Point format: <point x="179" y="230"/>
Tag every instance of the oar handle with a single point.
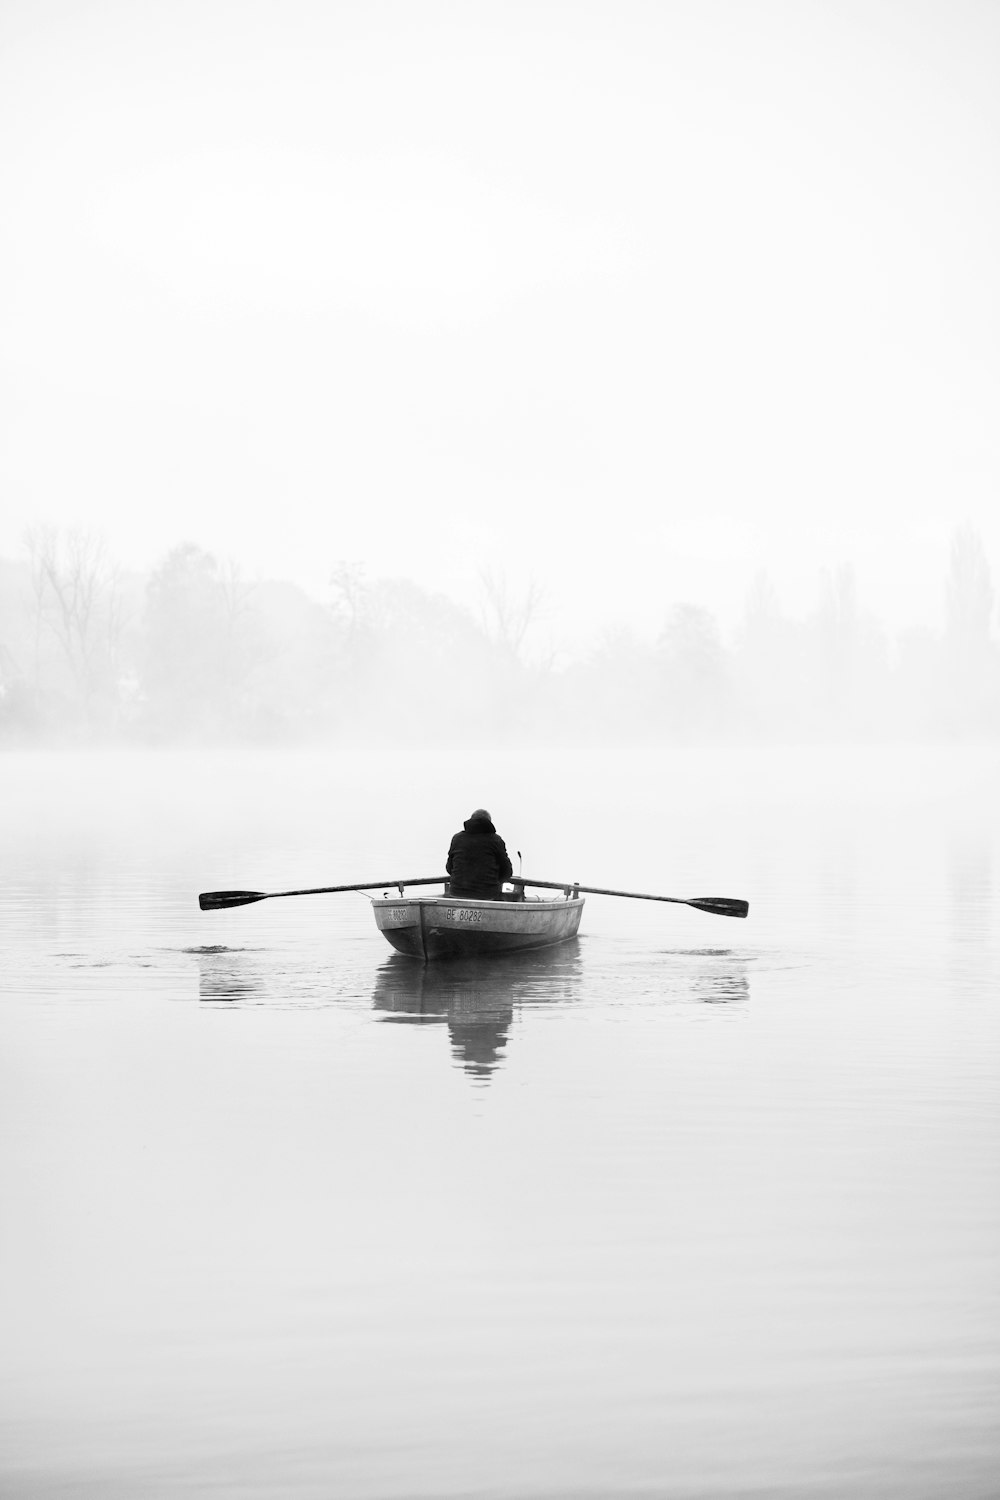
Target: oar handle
<point x="371" y="885"/>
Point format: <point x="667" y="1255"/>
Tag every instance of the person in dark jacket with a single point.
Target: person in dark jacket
<point x="477" y="860"/>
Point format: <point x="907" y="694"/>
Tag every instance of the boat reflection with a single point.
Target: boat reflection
<point x="475" y="997"/>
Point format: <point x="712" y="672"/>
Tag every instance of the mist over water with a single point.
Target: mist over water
<point x="287" y="1214"/>
<point x="587" y="410"/>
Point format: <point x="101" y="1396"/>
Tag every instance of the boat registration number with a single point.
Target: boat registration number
<point x="466" y="914"/>
<point x="397" y="914"/>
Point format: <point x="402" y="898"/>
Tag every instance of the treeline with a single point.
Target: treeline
<point x="196" y="653"/>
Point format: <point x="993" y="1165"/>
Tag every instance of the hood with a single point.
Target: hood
<point x="478" y="825"/>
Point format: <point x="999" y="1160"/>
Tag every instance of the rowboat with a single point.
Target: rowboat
<point x="429" y="927"/>
<point x="449" y="926"/>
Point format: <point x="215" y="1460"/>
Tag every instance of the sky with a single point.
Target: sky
<point x="630" y="300"/>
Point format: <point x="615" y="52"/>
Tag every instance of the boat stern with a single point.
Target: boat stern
<point x="446" y="926"/>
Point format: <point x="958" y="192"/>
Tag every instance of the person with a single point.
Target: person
<point x="477" y="862"/>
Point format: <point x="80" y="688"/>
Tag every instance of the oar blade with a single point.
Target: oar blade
<point x="720" y="906"/>
<point x="216" y="900"/>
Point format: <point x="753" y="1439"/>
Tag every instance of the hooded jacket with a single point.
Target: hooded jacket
<point x="477" y="860"/>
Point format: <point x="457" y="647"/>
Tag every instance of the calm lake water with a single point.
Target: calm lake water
<point x="690" y="1207"/>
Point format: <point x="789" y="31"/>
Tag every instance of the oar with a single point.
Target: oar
<point x="215" y="900"/>
<point x="719" y="906"/>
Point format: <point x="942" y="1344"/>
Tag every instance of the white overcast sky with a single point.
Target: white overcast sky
<point x="635" y="298"/>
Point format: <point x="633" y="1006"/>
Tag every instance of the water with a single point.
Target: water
<point x="687" y="1208"/>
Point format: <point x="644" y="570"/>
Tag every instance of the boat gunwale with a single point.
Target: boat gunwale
<point x="532" y="903"/>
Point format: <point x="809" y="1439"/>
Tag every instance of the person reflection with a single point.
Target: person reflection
<point x="476" y="1003"/>
<point x="476" y="997"/>
<point x="478" y="1024"/>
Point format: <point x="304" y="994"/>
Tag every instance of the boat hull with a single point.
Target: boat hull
<point x="430" y="927"/>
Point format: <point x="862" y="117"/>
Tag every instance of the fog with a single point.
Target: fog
<point x="196" y="652"/>
<point x="676" y="322"/>
<point x="607" y="390"/>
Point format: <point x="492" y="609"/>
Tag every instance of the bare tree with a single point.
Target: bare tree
<point x="351" y="596"/>
<point x="77" y="600"/>
<point x="236" y="591"/>
<point x="508" y="616"/>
